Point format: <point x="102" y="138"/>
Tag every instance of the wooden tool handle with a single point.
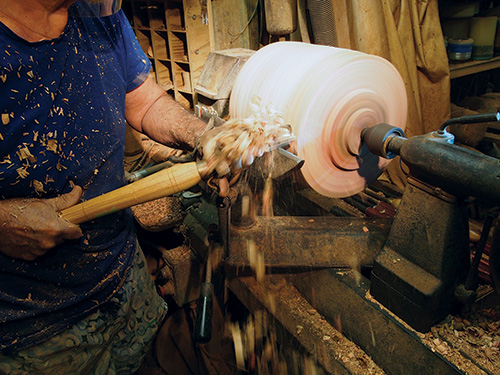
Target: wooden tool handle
<point x="161" y="184"/>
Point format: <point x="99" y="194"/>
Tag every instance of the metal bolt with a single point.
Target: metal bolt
<point x="194" y="16"/>
<point x="197" y="51"/>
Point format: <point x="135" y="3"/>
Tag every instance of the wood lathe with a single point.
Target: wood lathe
<point x="384" y="282"/>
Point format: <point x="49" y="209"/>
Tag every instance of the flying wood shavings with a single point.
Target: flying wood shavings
<point x="267" y="198"/>
<point x="5" y="118"/>
<point x="238" y="345"/>
<point x="256" y="260"/>
<point x="239" y="141"/>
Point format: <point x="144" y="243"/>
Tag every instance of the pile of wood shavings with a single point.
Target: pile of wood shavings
<point x="238" y="142"/>
<point x="476" y="335"/>
<point x="159" y="214"/>
<point x="466" y="349"/>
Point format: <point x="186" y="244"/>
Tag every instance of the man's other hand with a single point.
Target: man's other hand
<point x="31" y="227"/>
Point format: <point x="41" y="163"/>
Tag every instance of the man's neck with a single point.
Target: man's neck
<point x="35" y="20"/>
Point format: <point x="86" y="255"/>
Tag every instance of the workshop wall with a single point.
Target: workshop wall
<point x="407" y="33"/>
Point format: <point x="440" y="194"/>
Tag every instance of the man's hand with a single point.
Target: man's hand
<point x="31" y="227"/>
<point x="233" y="146"/>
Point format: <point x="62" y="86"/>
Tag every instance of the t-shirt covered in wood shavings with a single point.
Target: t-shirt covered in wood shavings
<point x="62" y="119"/>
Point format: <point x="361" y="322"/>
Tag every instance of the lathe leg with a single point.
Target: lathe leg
<point x="425" y="258"/>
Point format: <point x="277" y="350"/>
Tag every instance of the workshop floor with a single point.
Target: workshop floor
<point x="174" y="351"/>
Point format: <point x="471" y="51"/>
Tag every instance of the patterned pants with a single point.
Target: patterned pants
<point x="108" y="342"/>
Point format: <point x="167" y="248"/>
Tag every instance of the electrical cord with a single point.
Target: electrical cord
<point x="471" y="119"/>
<point x="248" y="23"/>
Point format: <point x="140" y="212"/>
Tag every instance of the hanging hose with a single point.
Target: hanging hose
<point x="322" y="22"/>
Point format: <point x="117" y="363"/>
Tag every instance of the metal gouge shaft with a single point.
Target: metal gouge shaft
<point x="202" y="332"/>
<point x="158" y="185"/>
<point x="137" y="175"/>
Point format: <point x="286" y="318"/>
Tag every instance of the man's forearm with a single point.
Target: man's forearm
<point x="167" y="122"/>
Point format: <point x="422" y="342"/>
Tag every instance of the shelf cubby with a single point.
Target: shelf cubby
<point x="175" y="39"/>
<point x="184" y="99"/>
<point x="178" y="46"/>
<point x="164" y="74"/>
<point x="144" y="38"/>
<point x="157" y="19"/>
<point x="159" y="40"/>
<point x="175" y="16"/>
<point x="182" y="77"/>
<point x="140" y="16"/>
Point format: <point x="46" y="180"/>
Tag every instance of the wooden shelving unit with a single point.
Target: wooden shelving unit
<point x="471" y="67"/>
<point x="175" y="39"/>
<point x="458" y="70"/>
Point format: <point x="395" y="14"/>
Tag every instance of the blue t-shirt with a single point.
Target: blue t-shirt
<point x="62" y="104"/>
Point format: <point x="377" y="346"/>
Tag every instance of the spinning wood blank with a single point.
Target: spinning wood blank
<point x="328" y="95"/>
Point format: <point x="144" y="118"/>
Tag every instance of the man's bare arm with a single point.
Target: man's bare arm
<point x="151" y="111"/>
